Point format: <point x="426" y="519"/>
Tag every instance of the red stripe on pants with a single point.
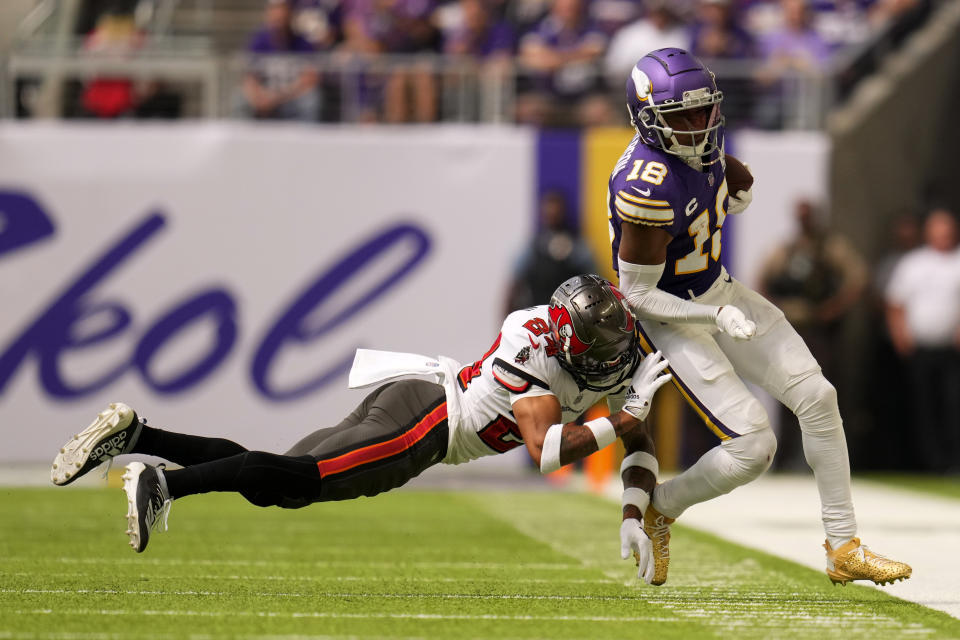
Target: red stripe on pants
<point x="382" y="450"/>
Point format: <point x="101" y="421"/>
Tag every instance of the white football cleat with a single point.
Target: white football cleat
<point x="147" y="501"/>
<point x="113" y="432"/>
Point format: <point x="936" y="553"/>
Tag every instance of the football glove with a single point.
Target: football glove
<point x="732" y="322"/>
<point x="633" y="540"/>
<point x="648" y="377"/>
<point x="739" y="202"/>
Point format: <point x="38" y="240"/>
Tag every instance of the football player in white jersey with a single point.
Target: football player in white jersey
<point x="549" y="364"/>
<point x="667" y="200"/>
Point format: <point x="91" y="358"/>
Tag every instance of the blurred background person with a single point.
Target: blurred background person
<point x="816" y="279"/>
<point x="888" y="445"/>
<point x="399" y="27"/>
<point x="562" y="57"/>
<point x="661" y="26"/>
<point x="114" y="35"/>
<point x="479" y="34"/>
<point x="794" y="50"/>
<point x="278" y="87"/>
<point x="923" y="315"/>
<point x="320" y="22"/>
<point x="716" y="32"/>
<point x="556" y="253"/>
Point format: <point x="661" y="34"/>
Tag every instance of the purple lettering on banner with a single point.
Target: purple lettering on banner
<point x="75" y="321"/>
<point x="215" y="303"/>
<point x="292" y="328"/>
<point x="50" y="334"/>
<point x="22" y="221"/>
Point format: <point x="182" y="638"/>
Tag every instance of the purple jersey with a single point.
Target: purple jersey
<point x="654" y="188"/>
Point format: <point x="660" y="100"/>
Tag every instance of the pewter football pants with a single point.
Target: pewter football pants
<point x="397" y="432"/>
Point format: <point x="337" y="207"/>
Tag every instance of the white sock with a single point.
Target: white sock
<point x="825" y="449"/>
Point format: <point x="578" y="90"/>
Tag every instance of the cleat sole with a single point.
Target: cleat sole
<point x="73" y="461"/>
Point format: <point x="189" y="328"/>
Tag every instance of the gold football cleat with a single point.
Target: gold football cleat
<point x="657" y="527"/>
<point x="854" y="561"/>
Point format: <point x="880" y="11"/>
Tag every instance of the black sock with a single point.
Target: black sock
<point x="265" y="479"/>
<point x="183" y="449"/>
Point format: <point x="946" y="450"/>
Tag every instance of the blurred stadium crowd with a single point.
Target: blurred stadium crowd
<point x="541" y="62"/>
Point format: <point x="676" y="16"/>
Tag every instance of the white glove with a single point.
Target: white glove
<point x="732" y="322"/>
<point x="648" y="377"/>
<point x="739" y="202"/>
<point x="633" y="539"/>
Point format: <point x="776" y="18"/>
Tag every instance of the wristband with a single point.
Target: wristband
<point x="641" y="459"/>
<point x="550" y="453"/>
<point x="637" y="497"/>
<point x="603" y="432"/>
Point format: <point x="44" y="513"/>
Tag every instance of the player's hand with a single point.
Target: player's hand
<point x="648" y="377"/>
<point x="739" y="202"/>
<point x="633" y="540"/>
<point x="732" y="322"/>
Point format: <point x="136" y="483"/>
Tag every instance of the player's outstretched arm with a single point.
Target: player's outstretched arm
<point x="642" y="260"/>
<point x="552" y="444"/>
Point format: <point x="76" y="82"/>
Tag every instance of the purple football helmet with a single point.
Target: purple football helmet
<point x="666" y="85"/>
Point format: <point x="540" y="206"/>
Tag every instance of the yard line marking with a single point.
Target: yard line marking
<point x="546" y="566"/>
<point x="360" y="616"/>
<point x="341" y="578"/>
<point x="327" y="594"/>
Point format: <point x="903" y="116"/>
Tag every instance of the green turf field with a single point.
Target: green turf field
<point x="409" y="564"/>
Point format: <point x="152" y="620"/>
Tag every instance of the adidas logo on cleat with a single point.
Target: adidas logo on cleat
<point x="111" y="447"/>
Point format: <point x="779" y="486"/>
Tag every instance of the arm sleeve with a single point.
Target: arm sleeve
<point x="638" y="284"/>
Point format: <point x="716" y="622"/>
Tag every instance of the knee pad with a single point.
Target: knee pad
<point x="753" y="453"/>
<point x="814" y="401"/>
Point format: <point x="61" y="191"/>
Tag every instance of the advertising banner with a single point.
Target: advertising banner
<point x="218" y="277"/>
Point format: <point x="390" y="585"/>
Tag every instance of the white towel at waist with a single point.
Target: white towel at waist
<point x="372" y="367"/>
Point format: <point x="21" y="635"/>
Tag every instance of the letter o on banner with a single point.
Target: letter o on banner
<point x="215" y="304"/>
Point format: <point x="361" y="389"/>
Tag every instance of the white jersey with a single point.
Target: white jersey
<point x="520" y="364"/>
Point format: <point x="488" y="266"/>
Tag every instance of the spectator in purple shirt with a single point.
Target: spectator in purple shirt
<point x="796" y="46"/>
<point x="408" y="92"/>
<point x="794" y="50"/>
<point x="278" y="87"/>
<point x="319" y="22"/>
<point x="563" y="56"/>
<point x="716" y="34"/>
<point x="479" y="35"/>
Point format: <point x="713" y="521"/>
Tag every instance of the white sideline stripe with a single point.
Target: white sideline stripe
<point x="325" y="594"/>
<point x="359" y="616"/>
<point x="377" y="578"/>
<point x="544" y="566"/>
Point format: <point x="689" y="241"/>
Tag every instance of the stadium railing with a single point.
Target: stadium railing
<point x="466" y="91"/>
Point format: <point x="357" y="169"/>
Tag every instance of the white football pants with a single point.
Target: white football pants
<point x="709" y="368"/>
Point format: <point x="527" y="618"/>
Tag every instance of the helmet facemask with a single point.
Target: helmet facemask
<point x="600" y="376"/>
<point x="674" y="125"/>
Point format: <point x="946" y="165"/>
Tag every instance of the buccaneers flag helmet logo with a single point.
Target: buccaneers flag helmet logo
<point x="566" y="337"/>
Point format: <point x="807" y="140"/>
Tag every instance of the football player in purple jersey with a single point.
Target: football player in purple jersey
<point x="549" y="364"/>
<point x="667" y="201"/>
